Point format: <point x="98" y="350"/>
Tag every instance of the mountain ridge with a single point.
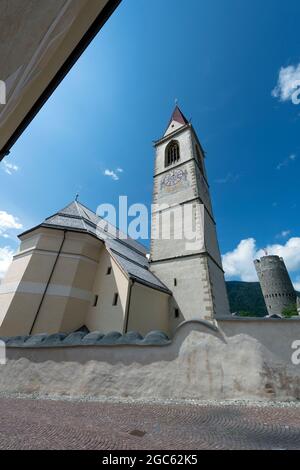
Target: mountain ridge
<point x="247" y="297"/>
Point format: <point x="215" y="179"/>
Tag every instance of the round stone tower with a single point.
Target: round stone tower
<point x="276" y="285"/>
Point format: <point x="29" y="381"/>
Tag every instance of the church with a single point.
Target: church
<point x="69" y="275"/>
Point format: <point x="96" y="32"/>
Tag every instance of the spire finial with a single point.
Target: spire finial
<point x="76" y="197"/>
<point x="176" y="101"/>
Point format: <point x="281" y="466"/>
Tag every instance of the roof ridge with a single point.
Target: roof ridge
<point x="90" y="219"/>
<point x="118" y="231"/>
<point x="83" y="218"/>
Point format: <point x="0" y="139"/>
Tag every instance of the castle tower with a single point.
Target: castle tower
<point x="182" y="209"/>
<point x="276" y="285"/>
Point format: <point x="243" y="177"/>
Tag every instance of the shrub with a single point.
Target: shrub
<point x="290" y="311"/>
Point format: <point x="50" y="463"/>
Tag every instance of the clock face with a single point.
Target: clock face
<point x="174" y="177"/>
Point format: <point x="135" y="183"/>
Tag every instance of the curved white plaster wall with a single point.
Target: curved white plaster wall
<point x="200" y="363"/>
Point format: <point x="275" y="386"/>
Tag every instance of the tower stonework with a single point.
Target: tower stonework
<point x="192" y="270"/>
<point x="275" y="282"/>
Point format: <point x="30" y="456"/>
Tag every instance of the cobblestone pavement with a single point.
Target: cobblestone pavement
<point x="43" y="424"/>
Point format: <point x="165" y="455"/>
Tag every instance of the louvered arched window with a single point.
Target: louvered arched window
<point x="172" y="153"/>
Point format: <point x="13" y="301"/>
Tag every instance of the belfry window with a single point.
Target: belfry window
<point x="172" y="153"/>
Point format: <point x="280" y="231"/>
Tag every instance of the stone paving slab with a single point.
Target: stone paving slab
<point x="49" y="424"/>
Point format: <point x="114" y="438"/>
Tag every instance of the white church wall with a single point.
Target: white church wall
<point x="191" y="294"/>
<point x="149" y="310"/>
<point x="22" y="287"/>
<point x="211" y="239"/>
<point x="178" y="231"/>
<point x="202" y="189"/>
<point x="8" y="288"/>
<point x="218" y="290"/>
<point x="69" y="293"/>
<point x="17" y="312"/>
<point x="35" y="300"/>
<point x="105" y="316"/>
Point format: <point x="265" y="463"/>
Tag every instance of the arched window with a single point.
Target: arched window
<point x="172" y="153"/>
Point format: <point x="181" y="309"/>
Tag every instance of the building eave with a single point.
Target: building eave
<point x="61" y="228"/>
<point x="93" y="30"/>
<point x="149" y="284"/>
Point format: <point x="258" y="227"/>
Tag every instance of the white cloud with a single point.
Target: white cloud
<point x="290" y="252"/>
<point x="296" y="284"/>
<point x="291" y="158"/>
<point x="113" y="174"/>
<point x="9" y="168"/>
<point x="283" y="234"/>
<point x="288" y="82"/>
<point x="229" y="178"/>
<point x="8" y="221"/>
<point x="239" y="262"/>
<point x="6" y="255"/>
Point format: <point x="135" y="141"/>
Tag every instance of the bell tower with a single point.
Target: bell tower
<point x="184" y="247"/>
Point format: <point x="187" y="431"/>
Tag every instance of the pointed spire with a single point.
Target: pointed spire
<point x="178" y="116"/>
<point x="177" y="120"/>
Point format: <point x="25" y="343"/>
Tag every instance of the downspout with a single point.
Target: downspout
<point x="48" y="283"/>
<point x="131" y="283"/>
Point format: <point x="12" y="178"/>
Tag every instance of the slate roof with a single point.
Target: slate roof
<point x="128" y="253"/>
<point x="178" y="116"/>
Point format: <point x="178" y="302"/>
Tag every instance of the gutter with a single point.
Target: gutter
<point x="131" y="284"/>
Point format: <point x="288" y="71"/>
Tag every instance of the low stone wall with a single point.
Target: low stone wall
<point x="237" y="360"/>
<point x="276" y="335"/>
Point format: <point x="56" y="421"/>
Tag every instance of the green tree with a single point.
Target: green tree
<point x="244" y="313"/>
<point x="290" y="311"/>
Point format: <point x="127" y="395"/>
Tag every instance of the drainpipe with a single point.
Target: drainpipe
<point x="131" y="283"/>
<point x="48" y="283"/>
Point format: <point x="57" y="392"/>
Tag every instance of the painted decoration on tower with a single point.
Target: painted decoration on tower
<point x="174" y="180"/>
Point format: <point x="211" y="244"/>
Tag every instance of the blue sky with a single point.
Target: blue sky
<point x="222" y="60"/>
